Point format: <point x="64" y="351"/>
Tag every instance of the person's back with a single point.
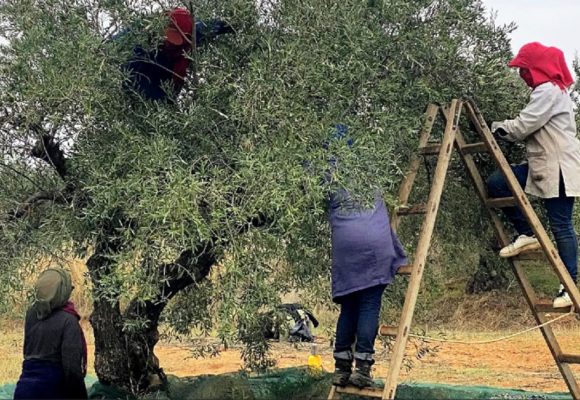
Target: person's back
<point x="365" y="251"/>
<point x="366" y="254"/>
<point x="547" y="127"/>
<point x="54" y="349"/>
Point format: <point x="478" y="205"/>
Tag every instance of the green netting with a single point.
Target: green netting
<point x="7" y="390"/>
<point x="297" y="383"/>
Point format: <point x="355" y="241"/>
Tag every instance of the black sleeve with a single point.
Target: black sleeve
<point x="72" y="360"/>
<point x="27" y="322"/>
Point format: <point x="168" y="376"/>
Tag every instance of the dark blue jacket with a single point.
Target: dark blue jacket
<point x="150" y="71"/>
<point x="365" y="250"/>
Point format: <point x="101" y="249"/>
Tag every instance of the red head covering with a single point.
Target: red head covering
<point x="180" y="29"/>
<point x="179" y="40"/>
<point x="545" y="64"/>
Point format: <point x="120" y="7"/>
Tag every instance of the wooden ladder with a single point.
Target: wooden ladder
<point x="454" y="139"/>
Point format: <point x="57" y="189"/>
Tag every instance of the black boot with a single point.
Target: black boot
<point x="362" y="374"/>
<point x="342" y="371"/>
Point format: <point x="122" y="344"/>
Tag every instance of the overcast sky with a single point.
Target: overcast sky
<point x="551" y="22"/>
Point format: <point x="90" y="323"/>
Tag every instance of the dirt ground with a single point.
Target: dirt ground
<point x="523" y="362"/>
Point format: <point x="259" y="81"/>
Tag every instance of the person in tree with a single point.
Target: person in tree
<point x="55" y="350"/>
<point x="552" y="172"/>
<point x="160" y="74"/>
<point x="366" y="255"/>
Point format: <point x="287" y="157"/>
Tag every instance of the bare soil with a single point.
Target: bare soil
<point x="523" y="362"/>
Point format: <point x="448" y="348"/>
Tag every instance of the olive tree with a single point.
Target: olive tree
<point x="215" y="201"/>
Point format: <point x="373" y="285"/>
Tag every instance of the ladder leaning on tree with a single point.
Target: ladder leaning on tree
<point x="454" y="139"/>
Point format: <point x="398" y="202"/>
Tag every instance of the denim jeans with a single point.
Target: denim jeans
<point x="358" y="321"/>
<point x="559" y="210"/>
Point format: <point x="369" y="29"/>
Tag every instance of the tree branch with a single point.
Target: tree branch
<point x="48" y="150"/>
<point x="39" y="197"/>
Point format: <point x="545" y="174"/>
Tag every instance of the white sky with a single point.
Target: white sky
<point x="551" y="22"/>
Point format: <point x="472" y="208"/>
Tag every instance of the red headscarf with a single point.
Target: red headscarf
<point x="179" y="39"/>
<point x="545" y="64"/>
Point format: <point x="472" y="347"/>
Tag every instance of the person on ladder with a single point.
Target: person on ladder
<point x="552" y="172"/>
<point x="366" y="255"/>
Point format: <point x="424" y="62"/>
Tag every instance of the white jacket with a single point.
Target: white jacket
<point x="548" y="128"/>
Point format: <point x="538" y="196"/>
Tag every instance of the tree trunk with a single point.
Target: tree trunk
<point x="124" y="355"/>
<point x="490" y="275"/>
<point x="110" y="342"/>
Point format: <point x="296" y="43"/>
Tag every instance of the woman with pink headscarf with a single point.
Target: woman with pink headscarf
<point x="552" y="172"/>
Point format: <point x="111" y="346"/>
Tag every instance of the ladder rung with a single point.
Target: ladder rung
<point x="387" y="330"/>
<point x="405" y="270"/>
<point x="474" y="148"/>
<point x="569" y="358"/>
<point x="411" y="210"/>
<point x="366" y="392"/>
<point x="548" y="308"/>
<point x="501" y="202"/>
<point x="430" y="150"/>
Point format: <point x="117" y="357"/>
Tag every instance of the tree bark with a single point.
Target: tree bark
<point x="125" y="358"/>
<point x="490" y="275"/>
<point x="110" y="341"/>
<point x="191" y="267"/>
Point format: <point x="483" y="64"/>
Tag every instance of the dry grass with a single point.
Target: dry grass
<point x="11" y="342"/>
<point x="11" y="338"/>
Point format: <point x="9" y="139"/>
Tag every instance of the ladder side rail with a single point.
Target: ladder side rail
<point x="422" y="250"/>
<point x="522" y="200"/>
<point x="409" y="179"/>
<point x="517" y="267"/>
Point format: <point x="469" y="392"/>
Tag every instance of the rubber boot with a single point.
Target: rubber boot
<point x="362" y="374"/>
<point x="342" y="371"/>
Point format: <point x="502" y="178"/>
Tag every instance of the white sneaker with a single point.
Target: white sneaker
<point x="521" y="244"/>
<point x="562" y="300"/>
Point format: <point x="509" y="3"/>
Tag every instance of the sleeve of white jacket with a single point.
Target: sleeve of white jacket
<point x="534" y="116"/>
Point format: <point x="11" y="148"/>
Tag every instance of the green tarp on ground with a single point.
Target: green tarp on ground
<point x="298" y="384"/>
<point x="7" y="390"/>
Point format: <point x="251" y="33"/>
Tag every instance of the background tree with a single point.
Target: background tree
<point x="159" y="198"/>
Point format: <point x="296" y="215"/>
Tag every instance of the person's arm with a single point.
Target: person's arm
<point x="533" y="117"/>
<point x="205" y="30"/>
<point x="72" y="360"/>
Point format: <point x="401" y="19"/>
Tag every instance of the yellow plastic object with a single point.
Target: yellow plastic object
<point x="314" y="361"/>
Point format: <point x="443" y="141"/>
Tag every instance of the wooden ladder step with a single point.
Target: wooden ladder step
<point x="501" y="202"/>
<point x="430" y="149"/>
<point x="412" y="210"/>
<point x="545" y="307"/>
<point x="388" y="330"/>
<point x="405" y="270"/>
<point x="569" y="358"/>
<point x="473" y="148"/>
<point x="366" y="392"/>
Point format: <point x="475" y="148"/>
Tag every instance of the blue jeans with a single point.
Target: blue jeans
<point x="358" y="321"/>
<point x="559" y="210"/>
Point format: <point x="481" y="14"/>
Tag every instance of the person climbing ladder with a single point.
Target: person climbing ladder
<point x="552" y="172"/>
<point x="366" y="255"/>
